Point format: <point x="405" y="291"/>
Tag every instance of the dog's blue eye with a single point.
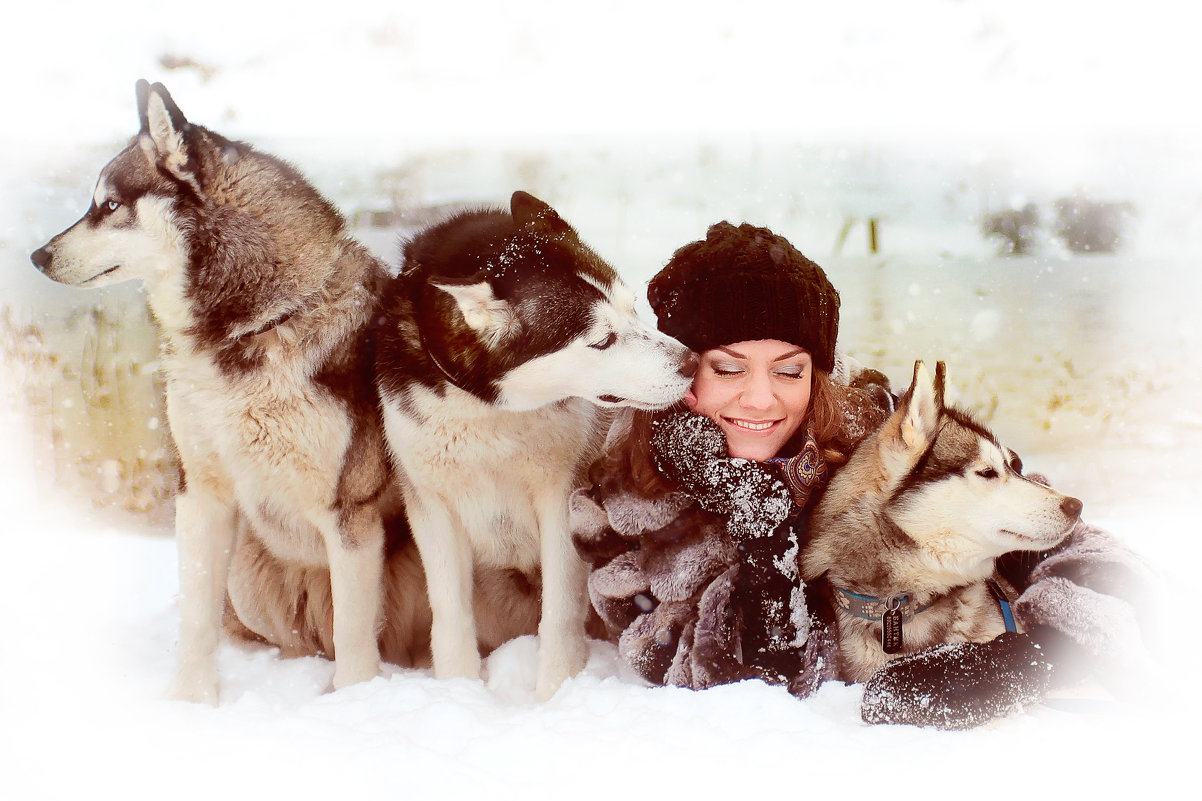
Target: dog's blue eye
<point x="609" y="340"/>
<point x="112" y="205"/>
<point x="988" y="472"/>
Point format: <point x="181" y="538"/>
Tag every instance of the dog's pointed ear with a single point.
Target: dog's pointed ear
<point x="533" y="214"/>
<point x="143" y="91"/>
<point x="921" y="407"/>
<point x="164" y="134"/>
<point x="158" y="96"/>
<point x="492" y="318"/>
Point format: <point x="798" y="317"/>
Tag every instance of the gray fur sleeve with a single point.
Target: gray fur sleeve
<point x="653" y="560"/>
<point x="587" y="520"/>
<point x="1097" y="592"/>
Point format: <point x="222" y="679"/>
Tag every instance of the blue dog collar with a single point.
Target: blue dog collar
<point x="869" y="608"/>
<point x="1003" y="603"/>
<point x="900" y="607"/>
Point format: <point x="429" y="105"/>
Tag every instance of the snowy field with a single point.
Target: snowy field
<point x="642" y="123"/>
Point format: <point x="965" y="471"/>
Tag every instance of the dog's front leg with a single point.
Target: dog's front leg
<point x="563" y="650"/>
<point x="204" y="533"/>
<point x="447" y="559"/>
<point x="355" y="549"/>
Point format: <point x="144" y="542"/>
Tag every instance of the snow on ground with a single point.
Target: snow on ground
<point x="90" y="646"/>
<point x="1004" y="98"/>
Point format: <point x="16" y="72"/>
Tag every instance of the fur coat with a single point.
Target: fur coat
<point x="698" y="596"/>
<point x="699" y="586"/>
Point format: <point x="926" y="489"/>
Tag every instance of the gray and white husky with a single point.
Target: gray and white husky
<point x="506" y="344"/>
<point x="263" y="304"/>
<point x="909" y="530"/>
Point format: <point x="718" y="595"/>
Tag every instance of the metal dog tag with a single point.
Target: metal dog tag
<point x="891" y="626"/>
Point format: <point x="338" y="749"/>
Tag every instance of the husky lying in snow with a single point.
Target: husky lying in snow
<point x="263" y="304"/>
<point x="908" y="531"/>
<point x="506" y="341"/>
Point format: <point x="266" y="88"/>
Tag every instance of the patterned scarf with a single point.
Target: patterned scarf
<point x="804" y="472"/>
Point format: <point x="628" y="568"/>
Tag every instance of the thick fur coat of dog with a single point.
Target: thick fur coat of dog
<point x="506" y="343"/>
<point x="914" y="523"/>
<point x="263" y="304"/>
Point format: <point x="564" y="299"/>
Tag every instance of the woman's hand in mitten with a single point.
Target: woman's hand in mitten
<point x="959" y="685"/>
<point x="690" y="449"/>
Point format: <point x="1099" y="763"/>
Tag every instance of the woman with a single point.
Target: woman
<point x="695" y="518"/>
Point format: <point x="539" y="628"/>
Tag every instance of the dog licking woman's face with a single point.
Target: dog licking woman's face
<point x="758" y="392"/>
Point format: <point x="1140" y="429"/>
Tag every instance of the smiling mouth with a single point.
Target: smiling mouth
<point x="752" y="426"/>
<point x="102" y="274"/>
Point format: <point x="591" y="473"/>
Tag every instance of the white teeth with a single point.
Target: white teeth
<point x="750" y="426"/>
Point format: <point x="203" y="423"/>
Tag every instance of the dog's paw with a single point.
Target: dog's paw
<point x="195" y="685"/>
<point x="466" y="666"/>
<point x="347" y="674"/>
<point x="549" y="684"/>
<point x="555" y="669"/>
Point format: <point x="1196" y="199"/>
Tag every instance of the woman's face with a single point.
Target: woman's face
<point x="758" y="392"/>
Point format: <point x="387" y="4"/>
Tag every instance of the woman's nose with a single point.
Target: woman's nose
<point x="757" y="392"/>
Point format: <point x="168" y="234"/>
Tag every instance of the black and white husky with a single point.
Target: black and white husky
<point x="506" y="345"/>
<point x="908" y="532"/>
<point x="264" y="305"/>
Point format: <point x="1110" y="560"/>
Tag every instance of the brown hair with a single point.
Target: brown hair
<point x="631" y="464"/>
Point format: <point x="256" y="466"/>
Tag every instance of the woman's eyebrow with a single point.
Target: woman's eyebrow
<point x="781" y="358"/>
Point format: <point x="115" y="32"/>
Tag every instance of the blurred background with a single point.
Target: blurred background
<point x="1011" y="187"/>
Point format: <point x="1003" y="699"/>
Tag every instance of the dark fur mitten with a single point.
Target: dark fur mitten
<point x="690" y="449"/>
<point x="959" y="685"/>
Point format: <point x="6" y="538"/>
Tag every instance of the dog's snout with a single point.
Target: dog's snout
<point x="40" y="258"/>
<point x="1071" y="507"/>
<point x="688" y="367"/>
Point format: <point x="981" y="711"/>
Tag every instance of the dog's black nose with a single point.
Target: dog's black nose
<point x="1071" y="507"/>
<point x="40" y="258"/>
<point x="688" y="368"/>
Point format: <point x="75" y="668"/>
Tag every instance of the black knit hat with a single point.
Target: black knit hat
<point x="742" y="284"/>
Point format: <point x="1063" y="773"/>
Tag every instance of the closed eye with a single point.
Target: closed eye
<point x="726" y="368"/>
<point x="605" y="343"/>
<point x="987" y="472"/>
